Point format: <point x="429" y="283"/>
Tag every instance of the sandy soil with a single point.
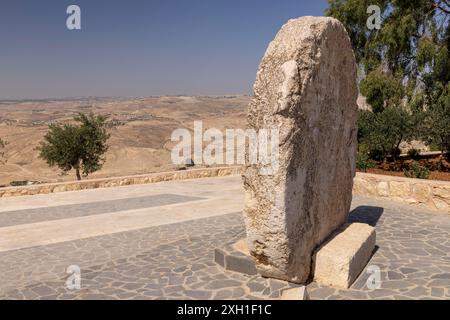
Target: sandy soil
<point x="140" y="140"/>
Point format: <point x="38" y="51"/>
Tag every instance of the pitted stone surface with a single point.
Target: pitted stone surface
<point x="340" y="260"/>
<point x="306" y="87"/>
<point x="176" y="262"/>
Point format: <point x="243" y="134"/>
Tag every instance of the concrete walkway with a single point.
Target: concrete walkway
<point x="156" y="242"/>
<point x="90" y="213"/>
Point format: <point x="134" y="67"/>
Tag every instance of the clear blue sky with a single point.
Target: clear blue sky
<point x="138" y="47"/>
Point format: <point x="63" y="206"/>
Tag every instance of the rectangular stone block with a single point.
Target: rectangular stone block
<point x="299" y="293"/>
<point x="340" y="260"/>
<point x="235" y="257"/>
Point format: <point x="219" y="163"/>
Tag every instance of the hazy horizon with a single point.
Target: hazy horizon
<point x="138" y="49"/>
<point x="125" y="97"/>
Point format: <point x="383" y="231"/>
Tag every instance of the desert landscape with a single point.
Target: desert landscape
<point x="140" y="131"/>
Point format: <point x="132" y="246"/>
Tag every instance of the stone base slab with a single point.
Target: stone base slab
<point x="299" y="293"/>
<point x="340" y="260"/>
<point x="235" y="257"/>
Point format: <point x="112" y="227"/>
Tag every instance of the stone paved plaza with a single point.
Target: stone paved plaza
<point x="142" y="246"/>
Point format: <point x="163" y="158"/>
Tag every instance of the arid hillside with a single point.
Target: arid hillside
<point x="140" y="135"/>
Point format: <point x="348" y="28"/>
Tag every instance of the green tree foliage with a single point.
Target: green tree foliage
<point x="381" y="133"/>
<point x="405" y="70"/>
<point x="381" y="90"/>
<point x="437" y="123"/>
<point x="78" y="146"/>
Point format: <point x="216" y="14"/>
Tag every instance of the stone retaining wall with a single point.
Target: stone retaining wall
<point x="427" y="193"/>
<point x="119" y="181"/>
<point x="431" y="194"/>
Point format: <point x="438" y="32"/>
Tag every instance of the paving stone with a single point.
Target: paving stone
<point x="219" y="284"/>
<point x="381" y="293"/>
<point x="172" y="289"/>
<point x="198" y="294"/>
<point x="321" y="293"/>
<point x="43" y="290"/>
<point x="255" y="287"/>
<point x="392" y="275"/>
<point x="223" y="294"/>
<point x="441" y="276"/>
<point x="238" y="293"/>
<point x="140" y="264"/>
<point x="408" y="270"/>
<point x="418" y="292"/>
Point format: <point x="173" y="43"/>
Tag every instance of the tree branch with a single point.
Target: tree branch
<point x="446" y="2"/>
<point x="438" y="6"/>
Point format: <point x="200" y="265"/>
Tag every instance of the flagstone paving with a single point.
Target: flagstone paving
<point x="175" y="261"/>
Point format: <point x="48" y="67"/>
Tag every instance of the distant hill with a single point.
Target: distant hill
<point x="140" y="135"/>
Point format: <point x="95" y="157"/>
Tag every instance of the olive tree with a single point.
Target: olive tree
<point x="79" y="146"/>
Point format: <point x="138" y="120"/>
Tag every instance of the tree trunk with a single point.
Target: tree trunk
<point x="441" y="161"/>
<point x="396" y="148"/>
<point x="78" y="174"/>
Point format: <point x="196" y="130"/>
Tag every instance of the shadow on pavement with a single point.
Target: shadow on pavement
<point x="366" y="214"/>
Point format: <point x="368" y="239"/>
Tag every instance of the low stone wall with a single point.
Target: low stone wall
<point x="431" y="194"/>
<point x="427" y="193"/>
<point x="119" y="181"/>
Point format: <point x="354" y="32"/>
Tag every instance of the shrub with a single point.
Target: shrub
<point x="19" y="183"/>
<point x="363" y="162"/>
<point x="415" y="170"/>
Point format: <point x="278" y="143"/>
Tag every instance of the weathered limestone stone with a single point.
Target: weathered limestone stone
<point x="365" y="187"/>
<point x="241" y="246"/>
<point x="441" y="204"/>
<point x="340" y="260"/>
<point x="421" y="193"/>
<point x="306" y="87"/>
<point x="400" y="189"/>
<point x="383" y="189"/>
<point x="442" y="192"/>
<point x="299" y="293"/>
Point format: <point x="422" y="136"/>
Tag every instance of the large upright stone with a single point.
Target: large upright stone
<point x="306" y="86"/>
